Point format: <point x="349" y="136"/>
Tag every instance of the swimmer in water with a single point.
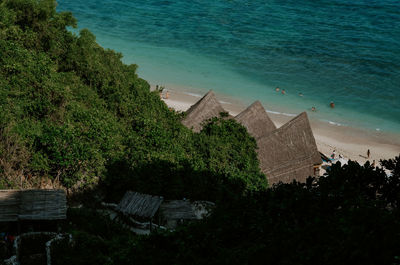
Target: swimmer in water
<point x="277" y="89"/>
<point x="332" y="104"/>
<point x="300" y="94"/>
<point x="313" y="109"/>
<point x="283" y="91"/>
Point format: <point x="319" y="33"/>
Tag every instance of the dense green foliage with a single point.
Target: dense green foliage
<point x="350" y="216"/>
<point x="72" y="112"/>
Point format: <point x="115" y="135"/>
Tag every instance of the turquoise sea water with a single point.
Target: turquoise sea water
<point x="343" y="51"/>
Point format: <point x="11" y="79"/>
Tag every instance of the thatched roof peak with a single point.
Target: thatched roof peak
<point x="256" y="120"/>
<point x="302" y="118"/>
<point x="289" y="152"/>
<point x="206" y="108"/>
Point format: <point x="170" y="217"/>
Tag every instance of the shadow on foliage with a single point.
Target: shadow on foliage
<point x="169" y="180"/>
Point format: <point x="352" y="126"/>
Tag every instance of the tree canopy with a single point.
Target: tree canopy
<point x="71" y="112"/>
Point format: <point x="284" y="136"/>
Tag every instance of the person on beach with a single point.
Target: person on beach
<point x="167" y="95"/>
<point x="373" y="163"/>
<point x="277" y="89"/>
<point x="332" y="104"/>
<point x="333" y="154"/>
<point x="283" y="92"/>
<point x="368" y="153"/>
<point x="313" y="109"/>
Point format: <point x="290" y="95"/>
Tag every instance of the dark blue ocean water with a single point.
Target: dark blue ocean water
<point x="337" y="50"/>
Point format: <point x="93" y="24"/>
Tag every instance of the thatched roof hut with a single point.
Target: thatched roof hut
<point x="32" y="205"/>
<point x="289" y="152"/>
<point x="206" y="108"/>
<point x="256" y="120"/>
<point x="139" y="205"/>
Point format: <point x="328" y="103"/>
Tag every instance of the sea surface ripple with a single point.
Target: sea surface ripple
<point x="337" y="50"/>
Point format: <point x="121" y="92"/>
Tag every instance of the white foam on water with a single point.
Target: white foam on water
<point x="281" y="113"/>
<point x="193" y="94"/>
<point x="335" y="123"/>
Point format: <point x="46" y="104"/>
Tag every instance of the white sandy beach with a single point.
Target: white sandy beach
<point x="351" y="143"/>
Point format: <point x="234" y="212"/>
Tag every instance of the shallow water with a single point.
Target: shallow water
<point x="342" y="51"/>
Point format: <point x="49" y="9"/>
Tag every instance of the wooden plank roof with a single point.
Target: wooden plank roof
<point x="43" y="205"/>
<point x="178" y="209"/>
<point x="32" y="205"/>
<point x="9" y="205"/>
<point x="139" y="205"/>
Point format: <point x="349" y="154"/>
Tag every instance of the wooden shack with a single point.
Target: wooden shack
<point x="140" y="206"/>
<point x="153" y="209"/>
<point x="176" y="212"/>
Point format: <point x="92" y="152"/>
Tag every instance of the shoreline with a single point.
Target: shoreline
<point x="351" y="143"/>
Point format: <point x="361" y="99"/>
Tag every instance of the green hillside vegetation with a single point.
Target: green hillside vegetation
<point x="72" y="112"/>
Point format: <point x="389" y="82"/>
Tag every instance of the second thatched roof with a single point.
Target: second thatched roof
<point x="256" y="120"/>
<point x="289" y="152"/>
<point x="206" y="108"/>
